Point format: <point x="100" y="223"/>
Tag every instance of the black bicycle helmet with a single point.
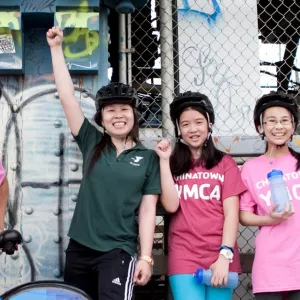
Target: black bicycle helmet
<point x="116" y="92"/>
<point x="191" y="99"/>
<point x="275" y="99"/>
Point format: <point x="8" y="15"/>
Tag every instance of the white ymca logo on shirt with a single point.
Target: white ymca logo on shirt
<point x="293" y="187"/>
<point x="207" y="189"/>
<point x="135" y="160"/>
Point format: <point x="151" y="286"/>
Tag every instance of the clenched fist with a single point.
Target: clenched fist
<point x="164" y="149"/>
<point x="55" y="36"/>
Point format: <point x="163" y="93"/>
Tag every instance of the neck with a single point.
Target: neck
<point x="122" y="143"/>
<point x="273" y="151"/>
<point x="196" y="153"/>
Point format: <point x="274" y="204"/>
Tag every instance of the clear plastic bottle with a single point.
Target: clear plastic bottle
<point x="279" y="192"/>
<point x="204" y="277"/>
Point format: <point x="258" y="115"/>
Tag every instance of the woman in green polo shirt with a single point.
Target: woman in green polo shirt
<point x="120" y="178"/>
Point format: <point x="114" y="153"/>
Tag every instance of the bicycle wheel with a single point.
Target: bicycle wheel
<point x="45" y="290"/>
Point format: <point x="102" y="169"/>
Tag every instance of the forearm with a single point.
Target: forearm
<point x="62" y="76"/>
<point x="3" y="201"/>
<point x="248" y="218"/>
<point x="230" y="229"/>
<point x="65" y="90"/>
<point x="169" y="196"/>
<point x="146" y="229"/>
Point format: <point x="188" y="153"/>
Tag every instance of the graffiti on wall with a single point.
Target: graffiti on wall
<point x="42" y="160"/>
<point x="81" y="28"/>
<point x="44" y="171"/>
<point x="81" y="39"/>
<point x="10" y="41"/>
<point x="208" y="13"/>
<point x="218" y="62"/>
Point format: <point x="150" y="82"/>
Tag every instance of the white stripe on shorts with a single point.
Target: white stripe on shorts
<point x="129" y="281"/>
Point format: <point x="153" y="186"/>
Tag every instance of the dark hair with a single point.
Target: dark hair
<point x="181" y="160"/>
<point x="297" y="157"/>
<point x="106" y="141"/>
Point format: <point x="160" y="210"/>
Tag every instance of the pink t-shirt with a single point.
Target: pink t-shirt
<point x="2" y="173"/>
<point x="277" y="248"/>
<point x="196" y="229"/>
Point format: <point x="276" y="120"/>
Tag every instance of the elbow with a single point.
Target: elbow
<point x="170" y="204"/>
<point x="171" y="209"/>
<point x="243" y="220"/>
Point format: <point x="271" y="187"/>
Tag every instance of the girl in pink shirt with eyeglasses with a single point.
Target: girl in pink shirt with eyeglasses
<point x="276" y="268"/>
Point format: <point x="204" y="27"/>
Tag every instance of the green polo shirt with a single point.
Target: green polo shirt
<point x="110" y="195"/>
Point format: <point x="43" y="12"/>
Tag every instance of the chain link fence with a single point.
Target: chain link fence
<point x="233" y="51"/>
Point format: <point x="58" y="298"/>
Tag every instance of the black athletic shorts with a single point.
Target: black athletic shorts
<point x="102" y="275"/>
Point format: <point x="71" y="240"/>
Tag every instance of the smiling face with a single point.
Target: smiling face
<point x="193" y="127"/>
<point x="278" y="125"/>
<point x="118" y="119"/>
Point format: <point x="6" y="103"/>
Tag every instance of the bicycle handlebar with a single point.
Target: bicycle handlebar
<point x="9" y="241"/>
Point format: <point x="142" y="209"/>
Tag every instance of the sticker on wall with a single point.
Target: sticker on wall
<point x="7" y="44"/>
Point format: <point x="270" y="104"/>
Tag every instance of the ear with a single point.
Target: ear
<point x="260" y="129"/>
<point x="210" y="127"/>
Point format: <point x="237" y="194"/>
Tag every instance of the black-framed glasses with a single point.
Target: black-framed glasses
<point x="274" y="122"/>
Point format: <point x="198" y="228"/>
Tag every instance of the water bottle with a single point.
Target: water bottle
<point x="279" y="192"/>
<point x="204" y="277"/>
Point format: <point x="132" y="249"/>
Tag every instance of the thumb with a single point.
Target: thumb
<point x="136" y="275"/>
<point x="272" y="210"/>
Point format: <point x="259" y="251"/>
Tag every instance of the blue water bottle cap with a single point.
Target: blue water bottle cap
<point x="199" y="276"/>
<point x="274" y="173"/>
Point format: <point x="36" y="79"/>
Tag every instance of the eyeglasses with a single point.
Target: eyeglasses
<point x="274" y="122"/>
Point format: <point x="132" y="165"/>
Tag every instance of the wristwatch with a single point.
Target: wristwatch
<point x="227" y="254"/>
<point x="148" y="259"/>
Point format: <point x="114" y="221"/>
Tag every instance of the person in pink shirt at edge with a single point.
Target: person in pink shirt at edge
<point x="276" y="267"/>
<point x="200" y="187"/>
<point x="3" y="188"/>
<point x="3" y="196"/>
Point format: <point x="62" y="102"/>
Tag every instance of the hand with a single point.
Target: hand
<point x="164" y="149"/>
<point x="277" y="218"/>
<point x="142" y="273"/>
<point x="220" y="269"/>
<point x="55" y="36"/>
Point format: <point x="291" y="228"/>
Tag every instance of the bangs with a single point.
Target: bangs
<point x="107" y="102"/>
<point x="196" y="108"/>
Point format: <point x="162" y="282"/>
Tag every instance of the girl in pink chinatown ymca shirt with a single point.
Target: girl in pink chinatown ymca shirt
<point x="276" y="268"/>
<point x="201" y="188"/>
